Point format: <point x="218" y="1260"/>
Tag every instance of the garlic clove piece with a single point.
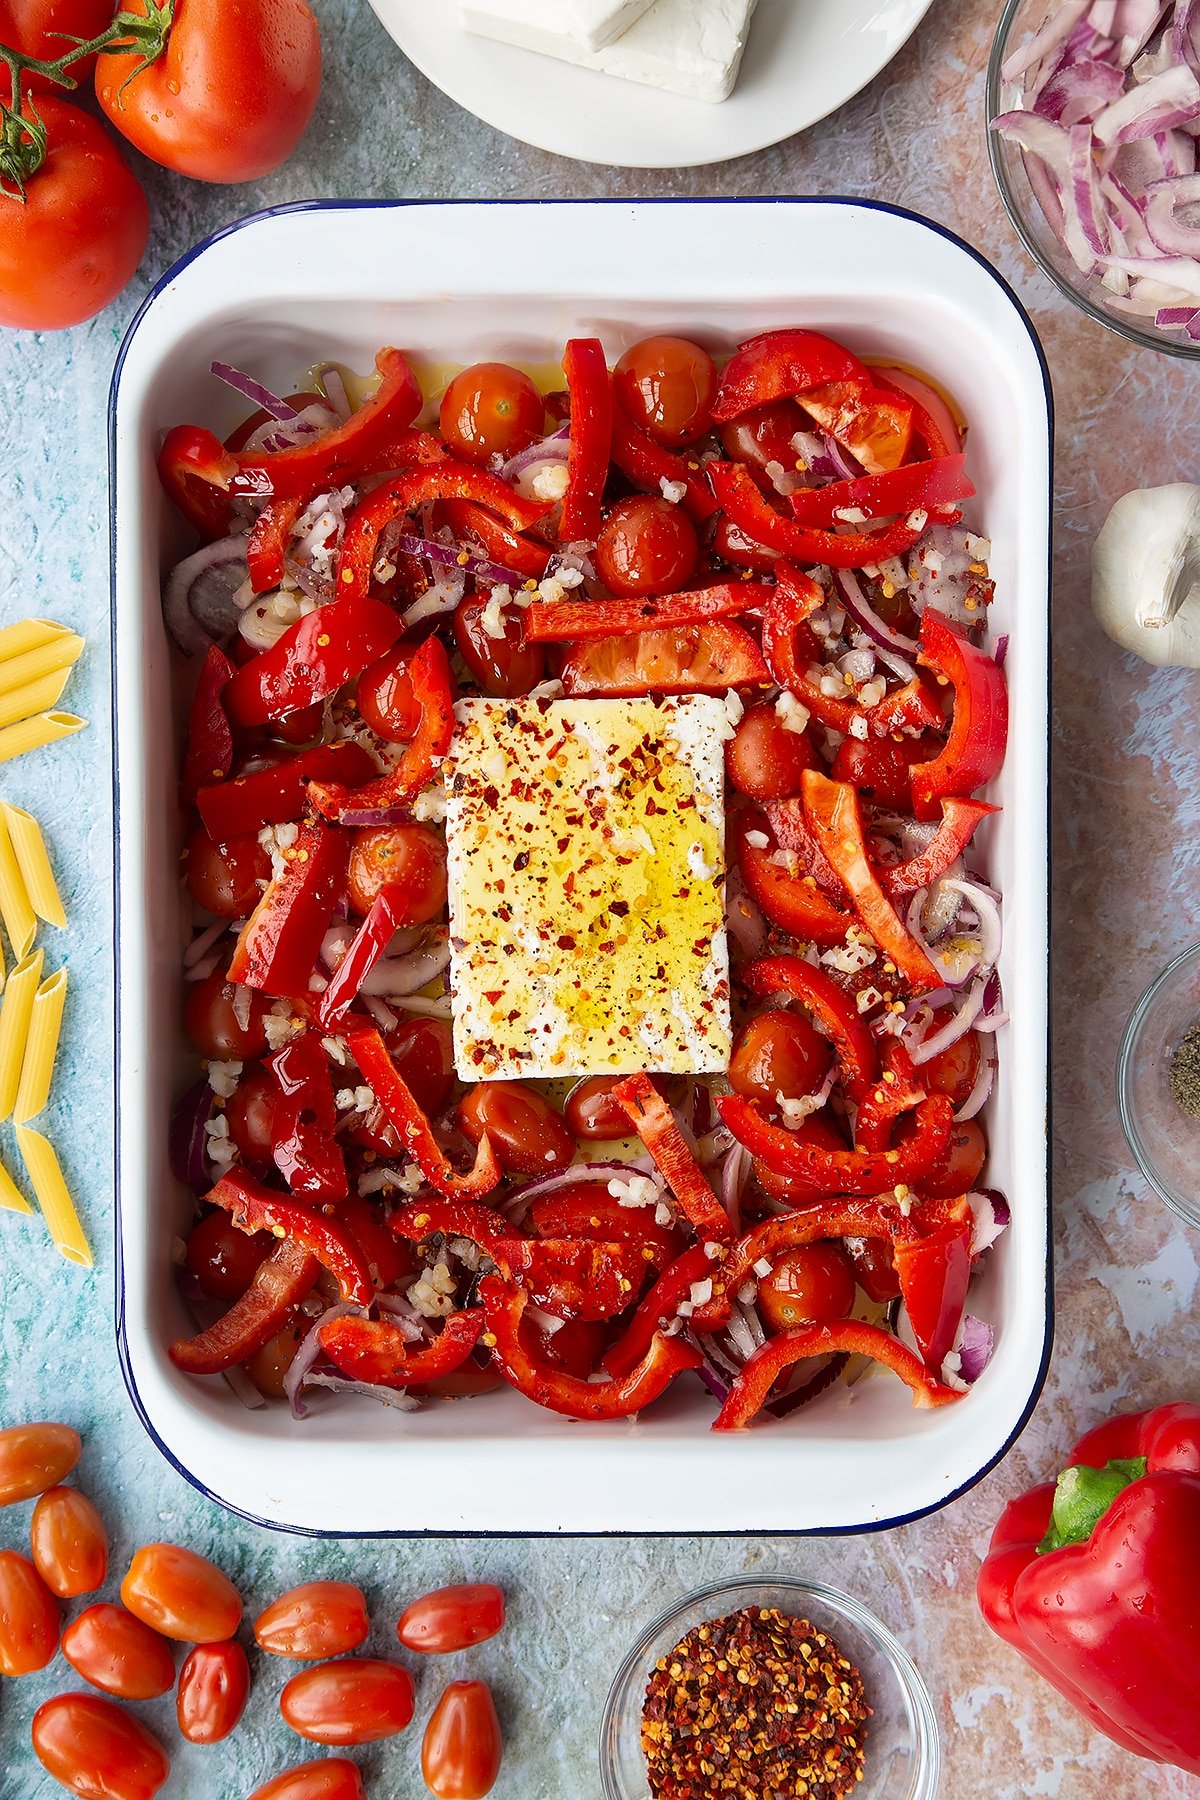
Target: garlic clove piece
<point x="1146" y="574"/>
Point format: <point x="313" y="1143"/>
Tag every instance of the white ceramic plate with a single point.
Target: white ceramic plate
<point x="284" y="290"/>
<point x="804" y="59"/>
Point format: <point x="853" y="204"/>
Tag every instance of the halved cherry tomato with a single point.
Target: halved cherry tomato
<point x="765" y="759"/>
<point x="491" y="409"/>
<point x="666" y="385"/>
<point x="958" y="1169"/>
<point x="810" y="1286"/>
<point x="223" y="1259"/>
<point x="181" y="1594"/>
<point x="214" y="1686"/>
<point x="422" y="1051"/>
<point x="34" y="1458"/>
<point x="646" y="546"/>
<point x="315" y="1620"/>
<point x="502" y="666"/>
<point x="703" y="659"/>
<point x="268" y="1366"/>
<point x="765" y="436"/>
<point x="527" y="1134"/>
<point x="385" y="698"/>
<point x="118" y="1654"/>
<point x="332" y="1778"/>
<point x="250" y="1112"/>
<point x="452" y="1618"/>
<point x="873" y="424"/>
<point x="29" y="1620"/>
<point x="953" y="1071"/>
<point x="213" y="1026"/>
<point x="463" y="1746"/>
<point x="226" y="879"/>
<point x="779" y="1053"/>
<point x="97" y="1750"/>
<point x="358" y="1700"/>
<point x="69" y="1543"/>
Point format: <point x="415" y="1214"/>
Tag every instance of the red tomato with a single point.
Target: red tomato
<point x="69" y="1543"/>
<point x="463" y="1383"/>
<point x="502" y="666"/>
<point x="958" y="1170"/>
<point x="355" y="1701"/>
<point x="873" y="424"/>
<point x="250" y="1111"/>
<point x="223" y="1259"/>
<point x="765" y="436"/>
<point x="766" y="760"/>
<point x="118" y="1654"/>
<point x="452" y="1618"/>
<point x="646" y="546"/>
<point x="811" y="1286"/>
<point x="79" y="235"/>
<point x="777" y="1053"/>
<point x="214" y="1685"/>
<point x="332" y="1778"/>
<point x="189" y="467"/>
<point x="317" y="1619"/>
<point x="40" y="28"/>
<point x="28" y="1617"/>
<point x="268" y="1366"/>
<point x="592" y="1113"/>
<point x="212" y="1025"/>
<point x="946" y="438"/>
<point x="527" y="1134"/>
<point x="691" y="659"/>
<point x="219" y="104"/>
<point x="666" y="385"/>
<point x="587" y="1210"/>
<point x="956" y="1070"/>
<point x="98" y="1751"/>
<point x="34" y="1458"/>
<point x="881" y="768"/>
<point x="463" y="1747"/>
<point x="409" y="857"/>
<point x="224" y="878"/>
<point x="301" y="727"/>
<point x="874" y="1268"/>
<point x="182" y="1595"/>
<point x="491" y="409"/>
<point x="423" y="1052"/>
<point x="385" y="697"/>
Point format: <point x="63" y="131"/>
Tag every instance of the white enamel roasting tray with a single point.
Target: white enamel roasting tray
<point x="462" y="282"/>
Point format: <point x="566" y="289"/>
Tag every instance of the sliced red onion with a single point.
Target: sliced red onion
<point x="980" y="1093"/>
<point x="1165" y="202"/>
<point x="311" y="422"/>
<point x="974" y="1344"/>
<point x="1077" y="91"/>
<point x="859" y="665"/>
<point x="865" y="616"/>
<point x="314" y="586"/>
<point x="186" y="1141"/>
<point x="712" y="1380"/>
<point x="1001" y="651"/>
<point x="308" y="1353"/>
<point x="1049" y="37"/>
<point x="383" y="1015"/>
<point x="198" y="601"/>
<point x="992" y="1217"/>
<point x="941" y="574"/>
<point x="990" y="926"/>
<point x="452" y="557"/>
<point x="370" y="816"/>
<point x="967" y="1011"/>
<point x="398" y="975"/>
<point x="1169" y="99"/>
<point x="740" y="1333"/>
<point x="844" y="466"/>
<point x="338" y="1384"/>
<point x="744" y="920"/>
<point x="832" y="1369"/>
<point x="600" y="1173"/>
<point x="203" y="942"/>
<point x="253" y="390"/>
<point x="552" y="449"/>
<point x="735" y="1173"/>
<point x="334" y="389"/>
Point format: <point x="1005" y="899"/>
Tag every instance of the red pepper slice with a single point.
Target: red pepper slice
<point x="858" y="1059"/>
<point x="590" y="448"/>
<point x="280" y="941"/>
<point x="387" y="1257"/>
<point x="302" y="1141"/>
<point x="209" y="753"/>
<point x="822" y="1171"/>
<point x="413" y="1128"/>
<point x="978" y="736"/>
<point x="910" y="708"/>
<point x="572" y="620"/>
<point x="687" y="659"/>
<point x="194" y="469"/>
<point x="375" y="1350"/>
<point x="959" y="821"/>
<point x="569" y="1394"/>
<point x="467" y="519"/>
<point x="315" y="657"/>
<point x="655" y="1123"/>
<point x="934" y="1271"/>
<point x="342" y="454"/>
<point x="452" y="1215"/>
<point x="793" y="902"/>
<point x="779" y="365"/>
<point x="748" y="508"/>
<point x="647" y="465"/>
<point x="281" y="1281"/>
<point x="253" y="1207"/>
<point x="904" y="490"/>
<point x="789" y="645"/>
<point x="429" y="674"/>
<point x="749" y="1392"/>
<point x="874" y="424"/>
<point x="898" y="1091"/>
<point x="773" y="1238"/>
<point x="657" y="1308"/>
<point x="788" y="821"/>
<point x="833" y="813"/>
<point x="269" y="539"/>
<point x="368" y="945"/>
<point x="277" y="794"/>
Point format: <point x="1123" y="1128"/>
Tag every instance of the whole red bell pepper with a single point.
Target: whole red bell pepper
<point x="377" y="1351"/>
<point x="1093" y="1580"/>
<point x="209" y="752"/>
<point x="284" y="1278"/>
<point x="432" y="690"/>
<point x="280" y="941"/>
<point x="656" y="1125"/>
<point x="305" y="1150"/>
<point x="852" y="1337"/>
<point x="793" y="902"/>
<point x="831" y="1006"/>
<point x="975" y="748"/>
<point x="904" y="490"/>
<point x="253" y="1207"/>
<point x="278" y="793"/>
<point x="960" y="818"/>
<point x="744" y="502"/>
<point x="778" y="365"/>
<point x="413" y="1128"/>
<point x="590" y="446"/>
<point x="572" y="620"/>
<point x="315" y="657"/>
<point x="823" y="1171"/>
<point x="648" y="464"/>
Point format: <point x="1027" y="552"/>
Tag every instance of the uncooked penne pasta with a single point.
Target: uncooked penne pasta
<point x="35" y="697"/>
<point x="11" y="1197"/>
<point x="20" y="920"/>
<point x="33" y="861"/>
<point x="30" y="634"/>
<point x="15" y="1011"/>
<point x="46" y="659"/>
<point x="41" y="1047"/>
<point x="31" y="734"/>
<point x="53" y="1196"/>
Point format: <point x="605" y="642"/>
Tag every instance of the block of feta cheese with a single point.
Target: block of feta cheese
<point x="586" y="869"/>
<point x="548" y="24"/>
<point x="690" y="47"/>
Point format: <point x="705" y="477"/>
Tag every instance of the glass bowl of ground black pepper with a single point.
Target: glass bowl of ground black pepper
<point x="768" y="1688"/>
<point x="1158" y="1084"/>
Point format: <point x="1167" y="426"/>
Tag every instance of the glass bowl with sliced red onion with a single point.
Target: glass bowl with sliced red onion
<point x="1094" y="115"/>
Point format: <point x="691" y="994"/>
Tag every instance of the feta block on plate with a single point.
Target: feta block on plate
<point x="587" y="877"/>
<point x="548" y="24"/>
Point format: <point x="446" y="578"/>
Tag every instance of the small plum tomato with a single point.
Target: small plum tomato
<point x="955" y="1070"/>
<point x="411" y="858"/>
<point x="765" y="436"/>
<point x="503" y="666"/>
<point x="452" y="1618"/>
<point x="356" y="1700"/>
<point x="491" y="409"/>
<point x="779" y="1052"/>
<point x="592" y="1113"/>
<point x="463" y="1746"/>
<point x="214" y="1685"/>
<point x="118" y="1654"/>
<point x="527" y="1134"/>
<point x="666" y="385"/>
<point x="330" y="1778"/>
<point x="226" y="879"/>
<point x="810" y="1286"/>
<point x="767" y="760"/>
<point x="646" y="546"/>
<point x="269" y="1365"/>
<point x="222" y="1259"/>
<point x="212" y="1024"/>
<point x="69" y="1543"/>
<point x="181" y="1594"/>
<point x="97" y="1750"/>
<point x="29" y="1622"/>
<point x="423" y="1053"/>
<point x="385" y="696"/>
<point x="958" y="1169"/>
<point x="874" y="1268"/>
<point x="315" y="1620"/>
<point x="34" y="1458"/>
<point x="250" y="1111"/>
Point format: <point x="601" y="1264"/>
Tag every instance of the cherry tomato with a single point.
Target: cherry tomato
<point x="452" y="1618"/>
<point x="646" y="546"/>
<point x="766" y="760"/>
<point x="34" y="1458"/>
<point x="463" y="1747"/>
<point x="666" y="385"/>
<point x="219" y="105"/>
<point x="214" y="1685"/>
<point x="224" y="878"/>
<point x="409" y="857"/>
<point x="385" y="697"/>
<point x="29" y="1620"/>
<point x="223" y="1259"/>
<point x="331" y="1778"/>
<point x="592" y="1113"/>
<point x="873" y="424"/>
<point x="317" y="1619"/>
<point x="118" y="1654"/>
<point x="491" y="409"/>
<point x="958" y="1170"/>
<point x="355" y="1701"/>
<point x="765" y="436"/>
<point x="587" y="1210"/>
<point x="881" y="768"/>
<point x="528" y="1136"/>
<point x="182" y="1595"/>
<point x="97" y="1750"/>
<point x="250" y="1112"/>
<point x="78" y="236"/>
<point x="953" y="1071"/>
<point x="423" y="1052"/>
<point x="304" y="726"/>
<point x="779" y="1053"/>
<point x="212" y="1025"/>
<point x="40" y="28"/>
<point x="811" y="1286"/>
<point x="268" y="1366"/>
<point x="69" y="1543"/>
<point x="503" y="666"/>
<point x="874" y="1268"/>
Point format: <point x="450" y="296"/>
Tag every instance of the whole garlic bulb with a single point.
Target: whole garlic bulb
<point x="1146" y="574"/>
